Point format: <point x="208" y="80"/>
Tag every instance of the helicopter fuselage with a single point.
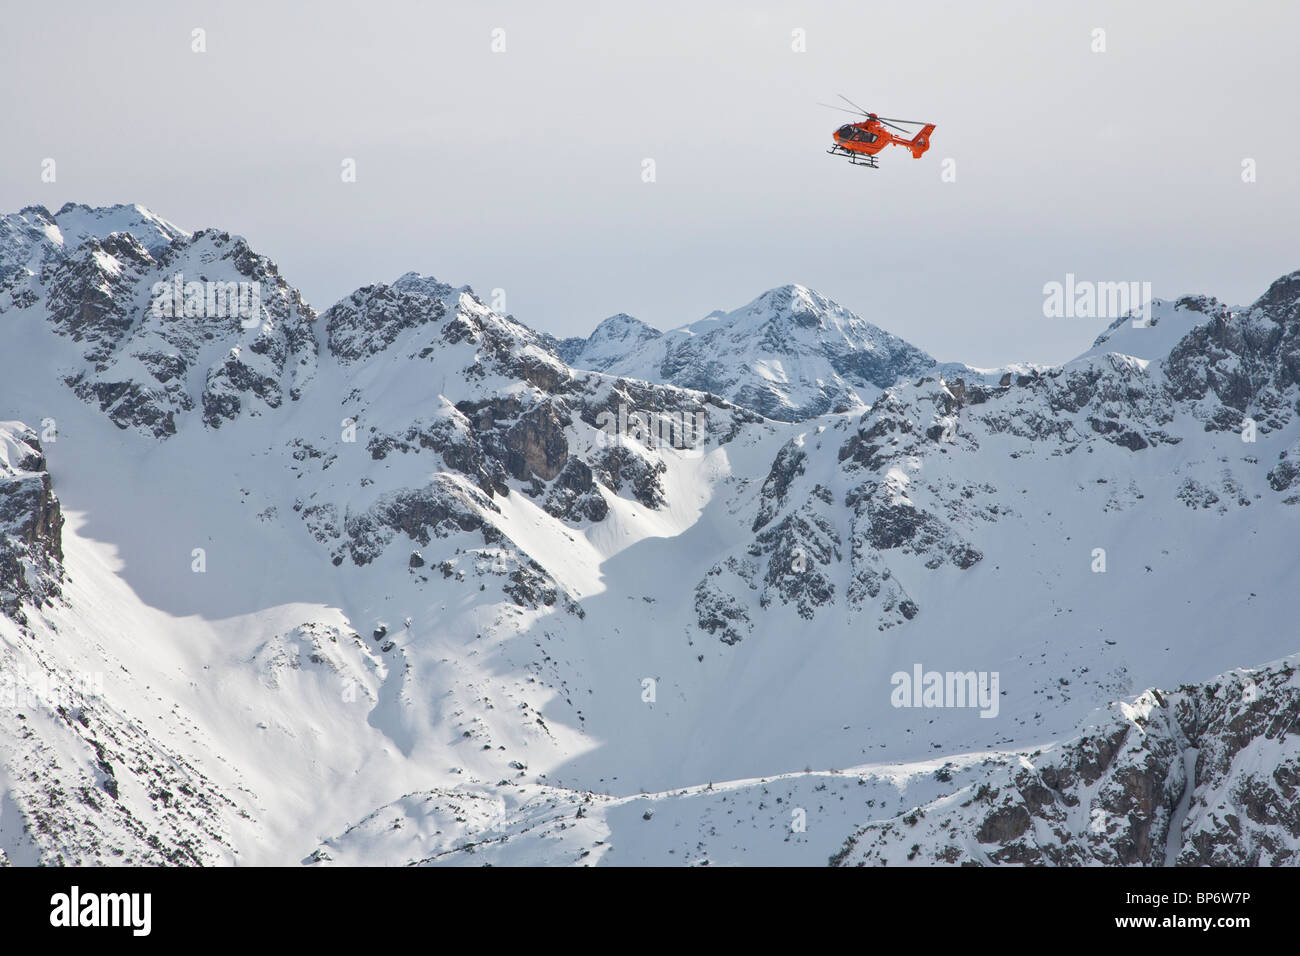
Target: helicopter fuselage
<point x="870" y="137"/>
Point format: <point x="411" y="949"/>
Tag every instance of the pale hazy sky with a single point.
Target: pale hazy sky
<point x="522" y="170"/>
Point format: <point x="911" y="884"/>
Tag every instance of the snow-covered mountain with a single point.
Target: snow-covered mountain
<point x="612" y="342"/>
<point x="407" y="581"/>
<point x="34" y="234"/>
<point x="791" y="354"/>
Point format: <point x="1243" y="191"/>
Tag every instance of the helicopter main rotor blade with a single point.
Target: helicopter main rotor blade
<point x="853" y="104"/>
<point x="906" y="132"/>
<point x="840" y="108"/>
<point x="909" y="122"/>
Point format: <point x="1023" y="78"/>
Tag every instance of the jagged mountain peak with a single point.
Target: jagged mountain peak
<point x="786" y="303"/>
<point x="420" y="319"/>
<point x="790" y="353"/>
<point x="370" y="318"/>
<point x="612" y="339"/>
<point x="75" y="223"/>
<point x="202" y="322"/>
<point x="1282" y="298"/>
<point x="1152" y="339"/>
<point x="1155" y="337"/>
<point x="624" y="321"/>
<point x="418" y="282"/>
<point x="1230" y="363"/>
<point x="797" y="320"/>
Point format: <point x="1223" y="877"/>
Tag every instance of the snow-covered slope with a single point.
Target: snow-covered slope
<point x="1202" y="776"/>
<point x="396" y="582"/>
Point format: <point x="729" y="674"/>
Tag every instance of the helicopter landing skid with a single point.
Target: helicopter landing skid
<point x="855" y="159"/>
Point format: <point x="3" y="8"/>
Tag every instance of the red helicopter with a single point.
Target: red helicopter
<point x="860" y="142"/>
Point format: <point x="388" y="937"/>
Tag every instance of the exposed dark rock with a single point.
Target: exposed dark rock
<point x="1113" y="797"/>
<point x="31" y="526"/>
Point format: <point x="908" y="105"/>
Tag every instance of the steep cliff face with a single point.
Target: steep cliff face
<point x="31" y="524"/>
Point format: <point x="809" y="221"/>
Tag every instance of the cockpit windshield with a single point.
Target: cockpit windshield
<point x="855" y="134"/>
